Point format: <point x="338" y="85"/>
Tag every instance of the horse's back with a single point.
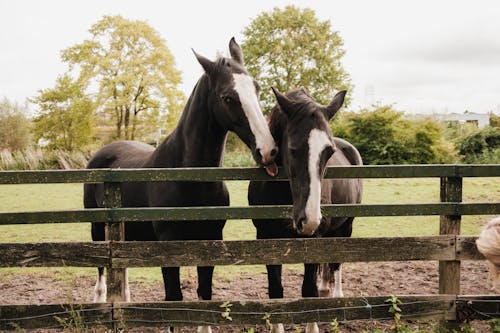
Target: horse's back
<point x="121" y="154"/>
<point x="124" y="155"/>
<point x="349" y="151"/>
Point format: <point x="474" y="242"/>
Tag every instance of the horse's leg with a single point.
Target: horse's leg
<point x="100" y="290"/>
<point x="344" y="231"/>
<point x="337" y="277"/>
<point x="205" y="275"/>
<point x="172" y="283"/>
<point x="275" y="290"/>
<point x="310" y="289"/>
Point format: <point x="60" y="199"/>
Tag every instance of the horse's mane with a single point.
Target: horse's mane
<point x="278" y="120"/>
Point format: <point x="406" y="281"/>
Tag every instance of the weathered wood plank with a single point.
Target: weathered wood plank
<point x="211" y="174"/>
<point x="286" y="251"/>
<point x="449" y="224"/>
<point x="180" y="253"/>
<point x="484" y="307"/>
<point x="287" y="311"/>
<point x="294" y="311"/>
<point x="45" y="315"/>
<point x="259" y="212"/>
<point x="80" y="254"/>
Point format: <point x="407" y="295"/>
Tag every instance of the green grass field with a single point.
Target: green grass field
<point x="69" y="196"/>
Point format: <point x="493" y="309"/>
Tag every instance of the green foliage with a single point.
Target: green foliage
<point x="482" y="146"/>
<point x="494" y="324"/>
<point x="65" y="117"/>
<point x="38" y="159"/>
<point x="226" y="314"/>
<point x="267" y="319"/>
<point x="384" y="136"/>
<point x="289" y="48"/>
<point x="494" y="120"/>
<point x="14" y="126"/>
<point x="135" y="74"/>
<point x="75" y="322"/>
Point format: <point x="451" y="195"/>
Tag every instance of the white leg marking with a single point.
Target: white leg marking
<point x="312" y="328"/>
<point x="244" y="86"/>
<point x="325" y="288"/>
<point x="127" y="287"/>
<point x="317" y="141"/>
<point x="170" y="329"/>
<point x="204" y="329"/>
<point x="277" y="328"/>
<point x="337" y="291"/>
<point x="100" y="290"/>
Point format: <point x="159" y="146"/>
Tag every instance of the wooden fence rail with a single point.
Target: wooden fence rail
<point x="449" y="248"/>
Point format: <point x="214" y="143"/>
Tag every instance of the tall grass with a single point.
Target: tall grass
<point x="39" y="159"/>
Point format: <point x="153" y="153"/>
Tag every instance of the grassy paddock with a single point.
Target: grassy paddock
<point x="69" y="196"/>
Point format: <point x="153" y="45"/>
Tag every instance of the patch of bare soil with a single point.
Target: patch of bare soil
<point x="359" y="279"/>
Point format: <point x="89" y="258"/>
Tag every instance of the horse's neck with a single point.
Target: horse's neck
<point x="198" y="139"/>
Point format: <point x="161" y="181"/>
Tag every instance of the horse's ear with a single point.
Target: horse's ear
<point x="235" y="51"/>
<point x="286" y="105"/>
<point x="335" y="104"/>
<point x="207" y="64"/>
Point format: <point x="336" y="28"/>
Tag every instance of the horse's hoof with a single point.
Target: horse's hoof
<point x="204" y="329"/>
<point x="312" y="328"/>
<point x="277" y="328"/>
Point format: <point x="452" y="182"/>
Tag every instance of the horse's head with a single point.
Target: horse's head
<point x="305" y="150"/>
<point x="234" y="98"/>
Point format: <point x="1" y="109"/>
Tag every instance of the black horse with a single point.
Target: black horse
<point x="224" y="99"/>
<point x="300" y="127"/>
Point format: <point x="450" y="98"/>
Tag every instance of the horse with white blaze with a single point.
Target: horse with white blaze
<point x="301" y="129"/>
<point x="225" y="98"/>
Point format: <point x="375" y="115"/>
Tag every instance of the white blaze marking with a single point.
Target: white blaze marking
<point x="243" y="84"/>
<point x="318" y="140"/>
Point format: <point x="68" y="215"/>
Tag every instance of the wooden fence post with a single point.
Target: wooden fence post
<point x="449" y="271"/>
<point x="115" y="231"/>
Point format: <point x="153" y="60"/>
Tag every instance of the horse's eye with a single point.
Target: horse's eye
<point x="227" y="99"/>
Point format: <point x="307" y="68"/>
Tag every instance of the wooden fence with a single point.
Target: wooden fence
<point x="449" y="248"/>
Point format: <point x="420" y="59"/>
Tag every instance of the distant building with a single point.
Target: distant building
<point x="480" y="120"/>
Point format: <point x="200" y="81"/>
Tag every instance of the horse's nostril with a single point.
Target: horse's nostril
<point x="274" y="151"/>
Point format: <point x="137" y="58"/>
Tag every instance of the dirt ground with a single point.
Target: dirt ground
<point x="360" y="279"/>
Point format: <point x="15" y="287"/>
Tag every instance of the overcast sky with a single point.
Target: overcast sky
<point x="421" y="56"/>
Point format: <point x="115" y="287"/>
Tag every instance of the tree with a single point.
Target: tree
<point x="289" y="48"/>
<point x="66" y="115"/>
<point x="133" y="70"/>
<point x="481" y="146"/>
<point x="384" y="136"/>
<point x="14" y="125"/>
<point x="494" y="120"/>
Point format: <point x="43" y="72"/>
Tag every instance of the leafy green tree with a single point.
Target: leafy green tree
<point x="14" y="126"/>
<point x="134" y="72"/>
<point x="65" y="116"/>
<point x="482" y="146"/>
<point x="384" y="136"/>
<point x="289" y="48"/>
<point x="494" y="120"/>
